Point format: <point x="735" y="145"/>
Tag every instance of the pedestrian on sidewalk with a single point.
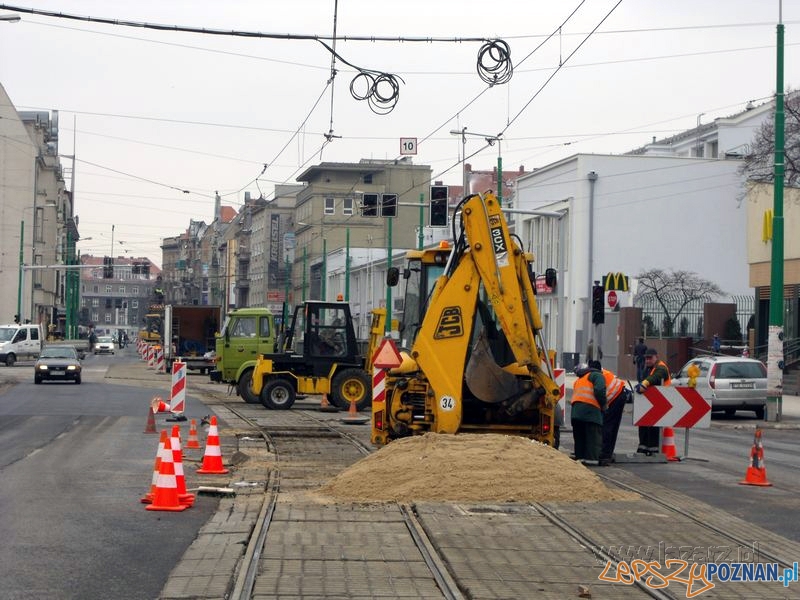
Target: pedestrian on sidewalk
<point x="617" y="395"/>
<point x="638" y="359"/>
<point x="588" y="403"/>
<point x="658" y="374"/>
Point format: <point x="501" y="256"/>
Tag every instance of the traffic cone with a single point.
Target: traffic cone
<point x="756" y="472"/>
<point x="212" y="457"/>
<point x="150" y="427"/>
<point x="148" y="497"/>
<point x="158" y="405"/>
<point x="193" y="442"/>
<point x="352" y="417"/>
<point x="177" y="456"/>
<point x="325" y="406"/>
<point x="166" y="494"/>
<point x="668" y="445"/>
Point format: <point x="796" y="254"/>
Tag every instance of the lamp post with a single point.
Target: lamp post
<point x="490" y="139"/>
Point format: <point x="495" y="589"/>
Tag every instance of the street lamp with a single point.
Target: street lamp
<point x="490" y="139"/>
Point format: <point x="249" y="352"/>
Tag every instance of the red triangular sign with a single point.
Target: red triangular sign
<point x="387" y="356"/>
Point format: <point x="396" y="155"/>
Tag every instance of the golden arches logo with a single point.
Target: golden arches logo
<point x="615" y="281"/>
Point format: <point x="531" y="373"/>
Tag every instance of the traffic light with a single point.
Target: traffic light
<point x="437" y="215"/>
<point x="16" y="319"/>
<point x="369" y="205"/>
<point x="108" y="267"/>
<point x="598" y="305"/>
<point x="389" y="205"/>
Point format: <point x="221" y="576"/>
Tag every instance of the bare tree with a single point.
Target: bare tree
<point x="759" y="163"/>
<point x="674" y="291"/>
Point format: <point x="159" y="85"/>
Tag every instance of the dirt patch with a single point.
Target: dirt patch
<point x="469" y="467"/>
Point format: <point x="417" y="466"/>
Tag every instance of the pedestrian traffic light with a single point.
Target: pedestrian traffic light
<point x="108" y="267"/>
<point x="437" y="215"/>
<point x="369" y="205"/>
<point x="598" y="305"/>
<point x="389" y="205"/>
<point x="16" y="319"/>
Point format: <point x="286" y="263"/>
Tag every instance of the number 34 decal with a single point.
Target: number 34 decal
<point x="447" y="403"/>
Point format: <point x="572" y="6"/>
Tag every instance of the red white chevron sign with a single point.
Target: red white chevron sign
<point x="671" y="406"/>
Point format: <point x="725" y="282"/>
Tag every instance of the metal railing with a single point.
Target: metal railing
<point x="689" y="323"/>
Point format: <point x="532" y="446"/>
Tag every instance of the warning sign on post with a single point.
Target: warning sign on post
<point x="387" y="355"/>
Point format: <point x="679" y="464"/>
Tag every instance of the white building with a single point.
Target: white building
<point x="676" y="204"/>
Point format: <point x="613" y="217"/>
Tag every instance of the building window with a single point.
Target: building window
<point x="108" y="289"/>
<point x="95" y="316"/>
<point x="134" y="304"/>
<point x="368" y="178"/>
<point x="108" y="317"/>
<point x="95" y="302"/>
<point x="330" y="207"/>
<point x="96" y="289"/>
<point x="83" y="301"/>
<point x="347" y="206"/>
<point x="135" y="290"/>
<point x="122" y="289"/>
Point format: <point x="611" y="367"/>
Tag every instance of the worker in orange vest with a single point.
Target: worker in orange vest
<point x="657" y="374"/>
<point x="617" y="395"/>
<point x="587" y="406"/>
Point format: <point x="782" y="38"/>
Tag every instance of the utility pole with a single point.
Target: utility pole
<point x="775" y="358"/>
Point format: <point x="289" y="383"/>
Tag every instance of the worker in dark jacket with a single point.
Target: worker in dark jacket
<point x="617" y="395"/>
<point x="588" y="403"/>
<point x="657" y="374"/>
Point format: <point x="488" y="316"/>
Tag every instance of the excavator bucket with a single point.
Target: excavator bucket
<point x="485" y="378"/>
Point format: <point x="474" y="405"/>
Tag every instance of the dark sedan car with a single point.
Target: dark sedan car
<point x="57" y="363"/>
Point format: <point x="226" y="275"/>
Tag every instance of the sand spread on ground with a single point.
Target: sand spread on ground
<point x="469" y="467"/>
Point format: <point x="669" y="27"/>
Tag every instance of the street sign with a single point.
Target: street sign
<point x="387" y="356"/>
<point x="408" y="146"/>
<point x="612" y="299"/>
<point x="671" y="406"/>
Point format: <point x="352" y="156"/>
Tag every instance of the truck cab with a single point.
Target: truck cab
<point x="246" y="333"/>
<point x="19" y="342"/>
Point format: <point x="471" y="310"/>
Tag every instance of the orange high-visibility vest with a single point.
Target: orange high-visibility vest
<point x="583" y="391"/>
<point x="614" y="385"/>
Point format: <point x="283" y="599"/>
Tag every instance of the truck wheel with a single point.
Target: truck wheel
<point x="352" y="385"/>
<point x="245" y="388"/>
<point x="10" y="360"/>
<point x="278" y="394"/>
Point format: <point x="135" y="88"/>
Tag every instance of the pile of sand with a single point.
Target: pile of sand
<point x="469" y="467"/>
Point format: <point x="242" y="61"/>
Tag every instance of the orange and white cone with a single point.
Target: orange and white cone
<point x="325" y="406"/>
<point x="158" y="405"/>
<point x="148" y="497"/>
<point x="668" y="444"/>
<point x="166" y="494"/>
<point x="177" y="457"/>
<point x="150" y="426"/>
<point x="212" y="457"/>
<point x="193" y="442"/>
<point x="757" y="472"/>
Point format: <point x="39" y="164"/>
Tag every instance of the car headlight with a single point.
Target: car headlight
<point x="71" y="368"/>
<point x="42" y="367"/>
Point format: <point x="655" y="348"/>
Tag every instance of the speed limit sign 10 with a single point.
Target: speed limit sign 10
<point x="408" y="145"/>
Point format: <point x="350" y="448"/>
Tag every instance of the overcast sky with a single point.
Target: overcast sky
<point x="160" y="120"/>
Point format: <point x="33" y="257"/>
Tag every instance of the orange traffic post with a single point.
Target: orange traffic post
<point x="325" y="406"/>
<point x="177" y="457"/>
<point x="148" y="497"/>
<point x="193" y="442"/>
<point x="166" y="494"/>
<point x="212" y="457"/>
<point x="668" y="445"/>
<point x="756" y="472"/>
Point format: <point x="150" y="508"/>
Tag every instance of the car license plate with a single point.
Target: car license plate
<point x="742" y="385"/>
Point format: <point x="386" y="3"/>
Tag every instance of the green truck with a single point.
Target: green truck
<point x="246" y="334"/>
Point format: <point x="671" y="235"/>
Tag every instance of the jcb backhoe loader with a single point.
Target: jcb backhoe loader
<point x="477" y="360"/>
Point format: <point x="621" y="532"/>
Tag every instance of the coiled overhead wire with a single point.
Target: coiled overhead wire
<point x="382" y="90"/>
<point x="494" y="62"/>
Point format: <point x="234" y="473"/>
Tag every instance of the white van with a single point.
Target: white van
<point x="19" y="342"/>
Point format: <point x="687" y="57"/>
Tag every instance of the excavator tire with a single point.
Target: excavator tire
<point x="245" y="388"/>
<point x="278" y="394"/>
<point x="351" y="384"/>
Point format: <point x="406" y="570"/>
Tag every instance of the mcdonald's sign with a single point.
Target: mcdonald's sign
<point x="615" y="281"/>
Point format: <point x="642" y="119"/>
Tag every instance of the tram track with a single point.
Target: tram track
<point x="320" y="429"/>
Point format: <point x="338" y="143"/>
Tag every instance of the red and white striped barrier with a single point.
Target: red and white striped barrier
<point x="160" y="365"/>
<point x="177" y="401"/>
<point x="151" y="357"/>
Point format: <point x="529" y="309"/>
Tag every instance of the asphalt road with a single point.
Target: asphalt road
<point x="74" y="463"/>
